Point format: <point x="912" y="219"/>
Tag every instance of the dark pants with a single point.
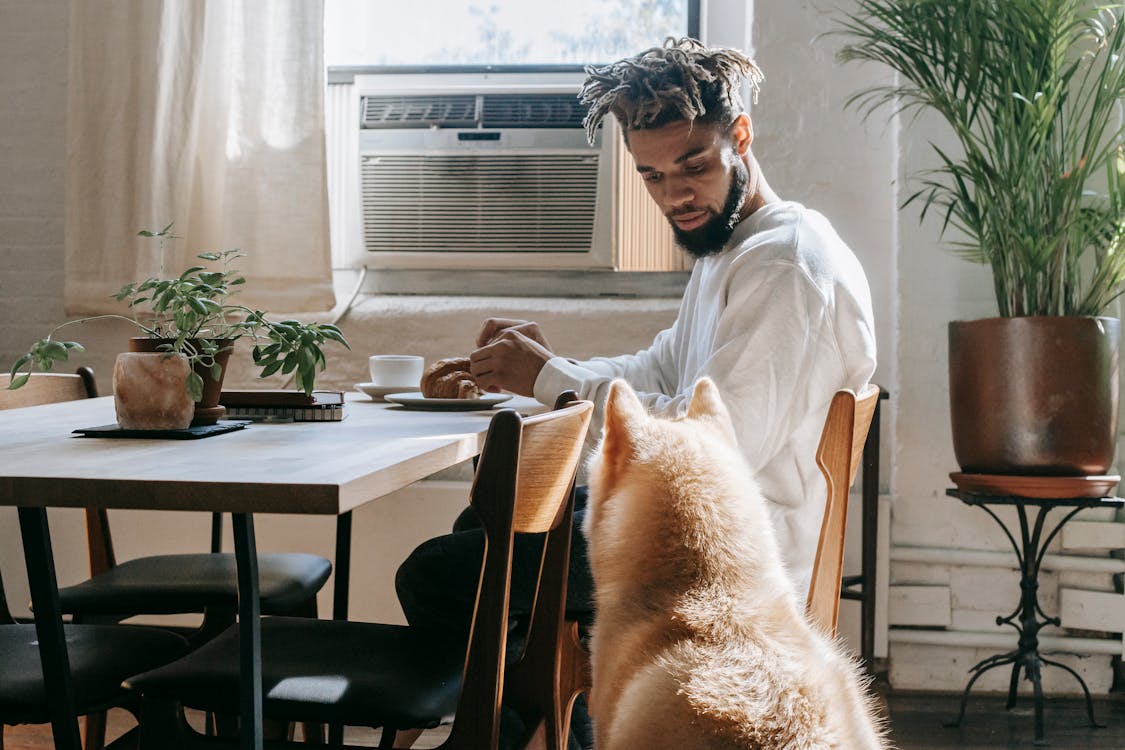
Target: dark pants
<point x="437" y="585"/>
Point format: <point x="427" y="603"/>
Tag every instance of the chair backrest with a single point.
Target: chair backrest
<point x="5" y="613"/>
<point x="524" y="483"/>
<point x="48" y="388"/>
<point x="52" y="388"/>
<point x="838" y="456"/>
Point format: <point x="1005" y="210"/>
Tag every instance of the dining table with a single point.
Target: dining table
<point x="303" y="468"/>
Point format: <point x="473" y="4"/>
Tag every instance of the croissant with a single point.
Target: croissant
<point x="450" y="378"/>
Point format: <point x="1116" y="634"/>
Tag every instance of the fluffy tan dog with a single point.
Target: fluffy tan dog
<point x="700" y="641"/>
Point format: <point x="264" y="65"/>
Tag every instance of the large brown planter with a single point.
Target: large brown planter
<point x="207" y="410"/>
<point x="1034" y="395"/>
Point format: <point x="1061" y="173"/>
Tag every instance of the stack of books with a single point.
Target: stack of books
<point x="284" y="405"/>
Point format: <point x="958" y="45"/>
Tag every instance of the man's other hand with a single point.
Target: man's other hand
<point x="511" y="361"/>
<point x="493" y="327"/>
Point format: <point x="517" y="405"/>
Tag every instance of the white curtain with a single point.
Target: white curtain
<point x="209" y="114"/>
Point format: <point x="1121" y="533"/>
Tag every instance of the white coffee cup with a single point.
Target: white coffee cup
<point x="395" y="370"/>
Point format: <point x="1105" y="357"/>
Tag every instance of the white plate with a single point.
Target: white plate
<point x="416" y="400"/>
<point x="377" y="392"/>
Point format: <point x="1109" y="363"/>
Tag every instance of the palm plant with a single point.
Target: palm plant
<point x="1032" y="90"/>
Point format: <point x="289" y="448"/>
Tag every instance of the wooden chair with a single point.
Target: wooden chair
<point x="165" y="584"/>
<point x="399" y="677"/>
<point x="100" y="656"/>
<point x="838" y="456"/>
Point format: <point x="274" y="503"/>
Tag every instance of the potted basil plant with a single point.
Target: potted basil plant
<point x="187" y="327"/>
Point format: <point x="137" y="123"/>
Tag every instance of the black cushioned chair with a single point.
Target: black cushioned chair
<point x="101" y="656"/>
<point x="204" y="582"/>
<point x="399" y="677"/>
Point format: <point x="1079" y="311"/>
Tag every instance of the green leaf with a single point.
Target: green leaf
<point x="18" y="381"/>
<point x="56" y="351"/>
<point x="16" y="367"/>
<point x="270" y="369"/>
<point x="195" y="386"/>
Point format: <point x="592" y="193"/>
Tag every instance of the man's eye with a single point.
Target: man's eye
<point x="694" y="168"/>
<point x="651" y="176"/>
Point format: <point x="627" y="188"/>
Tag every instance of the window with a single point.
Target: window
<point x="499" y="32"/>
<point x="415" y="194"/>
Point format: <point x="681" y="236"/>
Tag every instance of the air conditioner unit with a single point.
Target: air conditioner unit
<point x="481" y="170"/>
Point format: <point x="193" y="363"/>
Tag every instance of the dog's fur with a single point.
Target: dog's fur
<point x="699" y="639"/>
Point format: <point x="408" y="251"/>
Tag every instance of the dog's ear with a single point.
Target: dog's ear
<point x="707" y="405"/>
<point x="705" y="400"/>
<point x="623" y="414"/>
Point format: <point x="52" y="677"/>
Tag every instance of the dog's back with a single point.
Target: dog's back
<point x="699" y="638"/>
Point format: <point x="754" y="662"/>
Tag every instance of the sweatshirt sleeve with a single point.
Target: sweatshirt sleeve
<point x="772" y="350"/>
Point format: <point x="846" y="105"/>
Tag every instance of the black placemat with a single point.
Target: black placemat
<point x="191" y="433"/>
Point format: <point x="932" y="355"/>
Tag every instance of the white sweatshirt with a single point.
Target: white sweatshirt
<point x="780" y="320"/>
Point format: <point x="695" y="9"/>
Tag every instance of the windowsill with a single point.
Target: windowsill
<point x="516" y="283"/>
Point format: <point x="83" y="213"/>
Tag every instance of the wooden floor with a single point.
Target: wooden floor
<point x="916" y="723"/>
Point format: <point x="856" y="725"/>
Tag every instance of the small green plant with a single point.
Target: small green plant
<point x="1032" y="92"/>
<point x="194" y="313"/>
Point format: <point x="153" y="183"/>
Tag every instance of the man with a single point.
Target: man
<point x="777" y="311"/>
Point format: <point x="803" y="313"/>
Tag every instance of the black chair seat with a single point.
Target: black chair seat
<point x="171" y="584"/>
<point x="324" y="671"/>
<point x="101" y="657"/>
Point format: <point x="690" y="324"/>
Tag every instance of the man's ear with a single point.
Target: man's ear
<point x="624" y="413"/>
<point x="742" y="134"/>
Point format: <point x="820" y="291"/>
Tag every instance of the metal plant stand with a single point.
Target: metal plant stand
<point x="1028" y="618"/>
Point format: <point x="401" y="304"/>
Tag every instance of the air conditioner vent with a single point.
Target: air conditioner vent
<point x="532" y="111"/>
<point x="453" y="111"/>
<point x="440" y="203"/>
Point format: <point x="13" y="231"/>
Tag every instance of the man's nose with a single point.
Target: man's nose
<point x="677" y="193"/>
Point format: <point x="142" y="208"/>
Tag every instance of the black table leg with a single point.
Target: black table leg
<point x="1028" y="618"/>
<point x="249" y="632"/>
<point x="49" y="627"/>
<point x="343" y="566"/>
<point x="340" y="591"/>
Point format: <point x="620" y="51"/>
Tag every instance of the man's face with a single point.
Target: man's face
<point x="697" y="178"/>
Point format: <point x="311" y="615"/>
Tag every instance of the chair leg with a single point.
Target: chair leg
<point x="313" y="731"/>
<point x="95" y="731"/>
<point x="404" y="738"/>
<point x="163" y="725"/>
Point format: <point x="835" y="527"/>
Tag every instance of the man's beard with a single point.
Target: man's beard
<point x="712" y="237"/>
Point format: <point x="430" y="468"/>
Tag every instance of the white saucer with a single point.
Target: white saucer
<point x="377" y="392"/>
<point x="418" y="401"/>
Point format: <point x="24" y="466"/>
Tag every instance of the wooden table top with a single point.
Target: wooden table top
<point x="323" y="468"/>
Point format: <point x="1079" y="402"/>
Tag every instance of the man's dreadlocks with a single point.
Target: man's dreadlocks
<point x="683" y="80"/>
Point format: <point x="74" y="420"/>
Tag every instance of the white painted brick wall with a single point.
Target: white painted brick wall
<point x="947" y="668"/>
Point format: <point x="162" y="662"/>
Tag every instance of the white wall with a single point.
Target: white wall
<point x="812" y="150"/>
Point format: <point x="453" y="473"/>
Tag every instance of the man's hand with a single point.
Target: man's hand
<point x="511" y="360"/>
<point x="493" y="327"/>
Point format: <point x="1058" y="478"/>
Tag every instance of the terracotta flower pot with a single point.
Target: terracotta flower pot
<point x="1034" y="395"/>
<point x="207" y="411"/>
<point x="150" y="391"/>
